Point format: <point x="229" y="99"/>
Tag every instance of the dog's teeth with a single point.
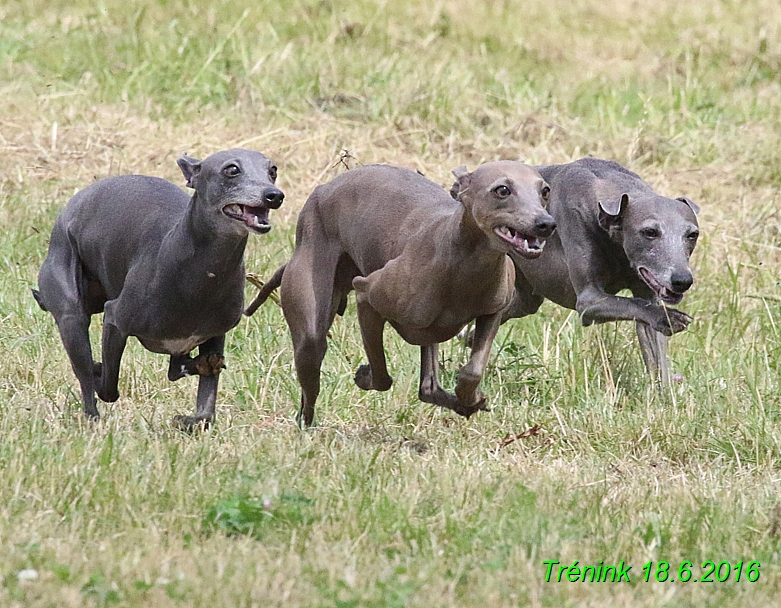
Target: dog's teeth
<point x="233" y="208"/>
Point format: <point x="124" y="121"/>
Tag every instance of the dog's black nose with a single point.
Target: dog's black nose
<point x="544" y="225"/>
<point x="681" y="281"/>
<point x="273" y="197"/>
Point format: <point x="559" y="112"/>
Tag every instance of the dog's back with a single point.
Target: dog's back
<point x="586" y="181"/>
<point x="372" y="211"/>
<point x="102" y="229"/>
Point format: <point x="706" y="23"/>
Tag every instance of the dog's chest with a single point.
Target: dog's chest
<point x="173" y="346"/>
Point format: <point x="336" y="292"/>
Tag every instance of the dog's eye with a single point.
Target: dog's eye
<point x="502" y="191"/>
<point x="693" y="236"/>
<point x="651" y="233"/>
<point x="231" y="171"/>
<point x="545" y="193"/>
<point x="272" y="173"/>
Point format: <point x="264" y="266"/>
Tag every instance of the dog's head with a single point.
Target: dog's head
<point x="658" y="235"/>
<point x="507" y="200"/>
<point x="235" y="187"/>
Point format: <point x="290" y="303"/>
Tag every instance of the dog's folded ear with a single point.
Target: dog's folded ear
<point x="463" y="177"/>
<point x="691" y="204"/>
<point x="610" y="212"/>
<point x="190" y="167"/>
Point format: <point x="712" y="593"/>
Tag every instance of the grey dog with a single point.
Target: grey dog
<point x="614" y="232"/>
<point x="161" y="266"/>
<point x="417" y="259"/>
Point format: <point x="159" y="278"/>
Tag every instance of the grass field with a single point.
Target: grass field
<point x="388" y="502"/>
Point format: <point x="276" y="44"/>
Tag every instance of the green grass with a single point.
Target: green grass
<point x="388" y="502"/>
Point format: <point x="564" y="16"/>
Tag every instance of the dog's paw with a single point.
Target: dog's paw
<point x="192" y="424"/>
<point x="363" y="377"/>
<point x="305" y="418"/>
<point x="365" y="380"/>
<point x="475" y="403"/>
<point x="91" y="414"/>
<point x="209" y="365"/>
<point x="672" y="321"/>
<point x="109" y="396"/>
<point x="451" y="402"/>
<point x="467" y="410"/>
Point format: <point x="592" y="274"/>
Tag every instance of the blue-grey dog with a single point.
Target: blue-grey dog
<point x="614" y="232"/>
<point x="162" y="266"/>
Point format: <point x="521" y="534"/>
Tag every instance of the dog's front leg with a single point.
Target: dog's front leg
<point x="180" y="366"/>
<point x="470" y="375"/>
<point x="210" y="354"/>
<point x="208" y="365"/>
<point x="429" y="390"/>
<point x="114" y="341"/>
<point x="653" y="346"/>
<point x="468" y="399"/>
<point x="596" y="306"/>
<point x="374" y="375"/>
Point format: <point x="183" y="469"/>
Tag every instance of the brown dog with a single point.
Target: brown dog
<point x="418" y="259"/>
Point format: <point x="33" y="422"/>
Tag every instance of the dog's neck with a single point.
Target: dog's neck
<point x="469" y="237"/>
<point x="196" y="243"/>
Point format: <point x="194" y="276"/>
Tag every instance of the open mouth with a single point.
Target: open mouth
<point x="529" y="247"/>
<point x="665" y="294"/>
<point x="255" y="218"/>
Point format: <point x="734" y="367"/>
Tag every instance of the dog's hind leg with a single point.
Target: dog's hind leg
<point x="210" y="362"/>
<point x="308" y="302"/>
<point x="653" y="346"/>
<point x="60" y="292"/>
<point x="374" y="375"/>
<point x="74" y="331"/>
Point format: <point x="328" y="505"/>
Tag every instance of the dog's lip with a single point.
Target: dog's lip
<point x="255" y="217"/>
<point x="664" y="293"/>
<point x="525" y="245"/>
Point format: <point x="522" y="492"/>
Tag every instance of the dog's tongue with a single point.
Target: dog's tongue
<point x="255" y="217"/>
<point x="669" y="296"/>
<point x="665" y="294"/>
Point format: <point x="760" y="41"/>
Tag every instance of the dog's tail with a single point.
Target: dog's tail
<point x="266" y="289"/>
<point x="37" y="296"/>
